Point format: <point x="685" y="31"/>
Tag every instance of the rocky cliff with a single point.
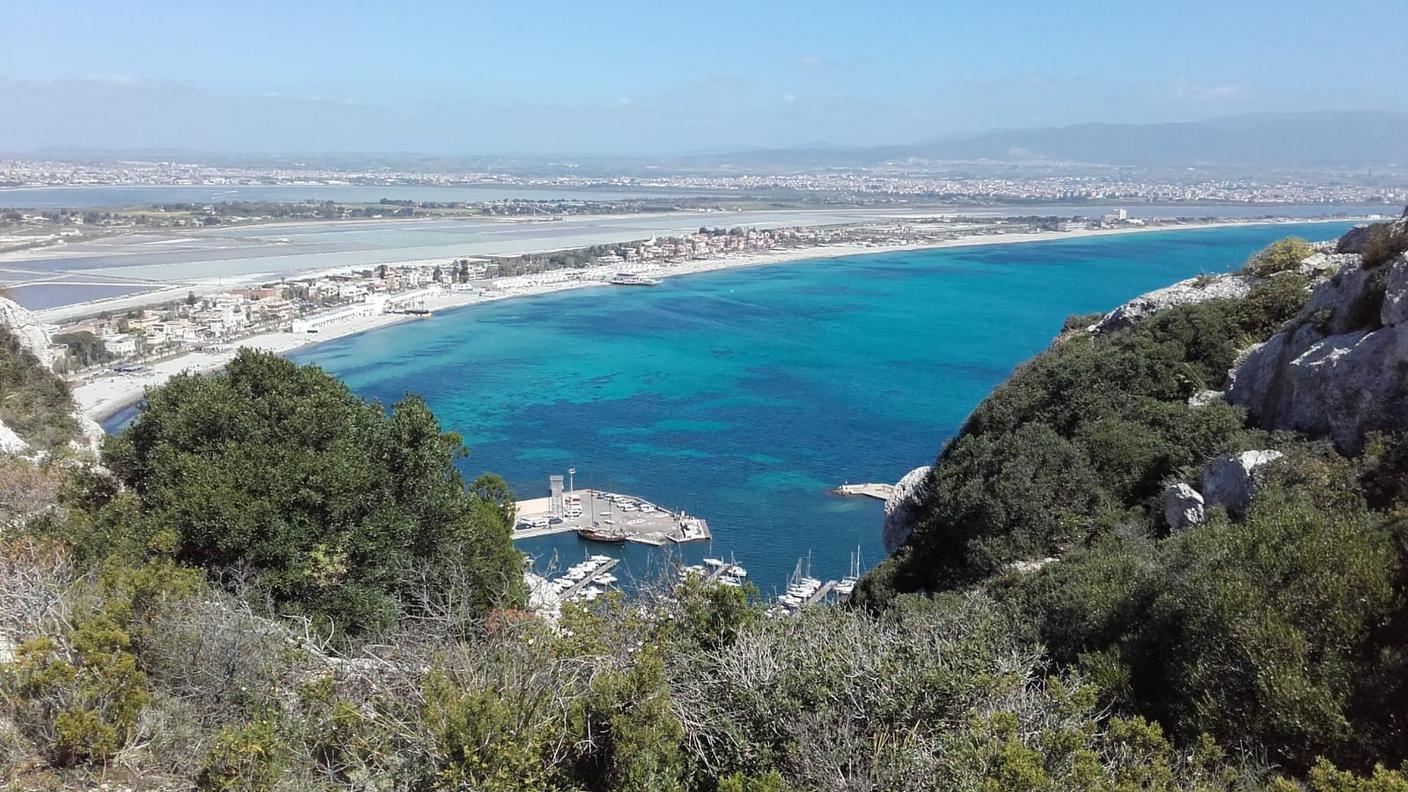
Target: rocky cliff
<point x="1340" y="368"/>
<point x="30" y="360"/>
<point x="32" y="334"/>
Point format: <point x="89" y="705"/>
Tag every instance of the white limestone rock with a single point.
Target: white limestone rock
<point x="1342" y="370"/>
<point x="1183" y="507"/>
<point x="1205" y="397"/>
<point x="1324" y="264"/>
<point x="32" y="334"/>
<point x="901" y="508"/>
<point x="11" y="443"/>
<point x="1031" y="565"/>
<point x="1188" y="292"/>
<point x="1230" y="480"/>
<point x="90" y="434"/>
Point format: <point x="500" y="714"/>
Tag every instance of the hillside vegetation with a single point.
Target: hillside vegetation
<point x="272" y="585"/>
<point x="34" y="402"/>
<point x="1279" y="624"/>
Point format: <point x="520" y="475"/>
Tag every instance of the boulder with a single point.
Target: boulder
<point x="1183" y="507"/>
<point x="32" y="333"/>
<point x="1193" y="290"/>
<point x="902" y="507"/>
<point x="1230" y="480"/>
<point x="1322" y="265"/>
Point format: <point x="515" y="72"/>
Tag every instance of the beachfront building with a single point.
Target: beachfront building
<point x="313" y="324"/>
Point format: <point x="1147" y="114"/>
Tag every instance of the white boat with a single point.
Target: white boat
<point x="848" y="583"/>
<point x="714" y="562"/>
<point x="606" y="579"/>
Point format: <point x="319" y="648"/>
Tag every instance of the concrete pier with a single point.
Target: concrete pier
<point x="877" y="491"/>
<point x="638" y="519"/>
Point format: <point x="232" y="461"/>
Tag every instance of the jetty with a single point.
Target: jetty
<point x="608" y="516"/>
<point x="820" y="593"/>
<point x="576" y="588"/>
<point x="877" y="491"/>
<point x="719" y="571"/>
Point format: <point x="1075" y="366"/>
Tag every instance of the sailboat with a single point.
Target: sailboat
<point x="848" y="583"/>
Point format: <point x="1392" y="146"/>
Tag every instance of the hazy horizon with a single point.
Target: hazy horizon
<point x="637" y="79"/>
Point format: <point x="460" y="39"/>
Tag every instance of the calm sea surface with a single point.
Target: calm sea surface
<point x="745" y="395"/>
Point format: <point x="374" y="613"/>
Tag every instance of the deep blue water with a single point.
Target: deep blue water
<point x="744" y="395"/>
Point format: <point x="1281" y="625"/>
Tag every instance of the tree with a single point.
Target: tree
<point x="340" y="510"/>
<point x="84" y="347"/>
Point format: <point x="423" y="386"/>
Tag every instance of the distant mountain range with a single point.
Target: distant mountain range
<point x="1308" y="140"/>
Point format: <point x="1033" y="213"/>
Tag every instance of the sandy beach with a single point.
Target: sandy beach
<point x="103" y="396"/>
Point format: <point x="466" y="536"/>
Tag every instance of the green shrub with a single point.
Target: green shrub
<point x="478" y="742"/>
<point x="1271" y="303"/>
<point x="339" y="510"/>
<point x="34" y="402"/>
<point x="1279" y="256"/>
<point x="1325" y="777"/>
<point x="247" y="758"/>
<point x="1080" y="321"/>
<point x="1385" y="241"/>
<point x="78" y="697"/>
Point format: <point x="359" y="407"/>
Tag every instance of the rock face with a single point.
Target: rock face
<point x="32" y="334"/>
<point x="1183" y="507"/>
<point x="1341" y="369"/>
<point x="1353" y="240"/>
<point x="1193" y="290"/>
<point x="1230" y="480"/>
<point x="34" y="337"/>
<point x="902" y="507"/>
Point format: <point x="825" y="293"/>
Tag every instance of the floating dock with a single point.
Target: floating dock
<point x="602" y="569"/>
<point x="633" y="518"/>
<point x="877" y="491"/>
<point x="820" y="594"/>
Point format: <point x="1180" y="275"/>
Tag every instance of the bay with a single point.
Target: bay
<point x="745" y="395"/>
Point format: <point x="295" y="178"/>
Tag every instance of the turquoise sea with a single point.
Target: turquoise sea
<point x="745" y="395"/>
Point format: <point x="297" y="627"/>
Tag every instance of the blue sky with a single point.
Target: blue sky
<point x="624" y="77"/>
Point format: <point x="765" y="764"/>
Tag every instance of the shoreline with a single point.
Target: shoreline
<point x="103" y="397"/>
